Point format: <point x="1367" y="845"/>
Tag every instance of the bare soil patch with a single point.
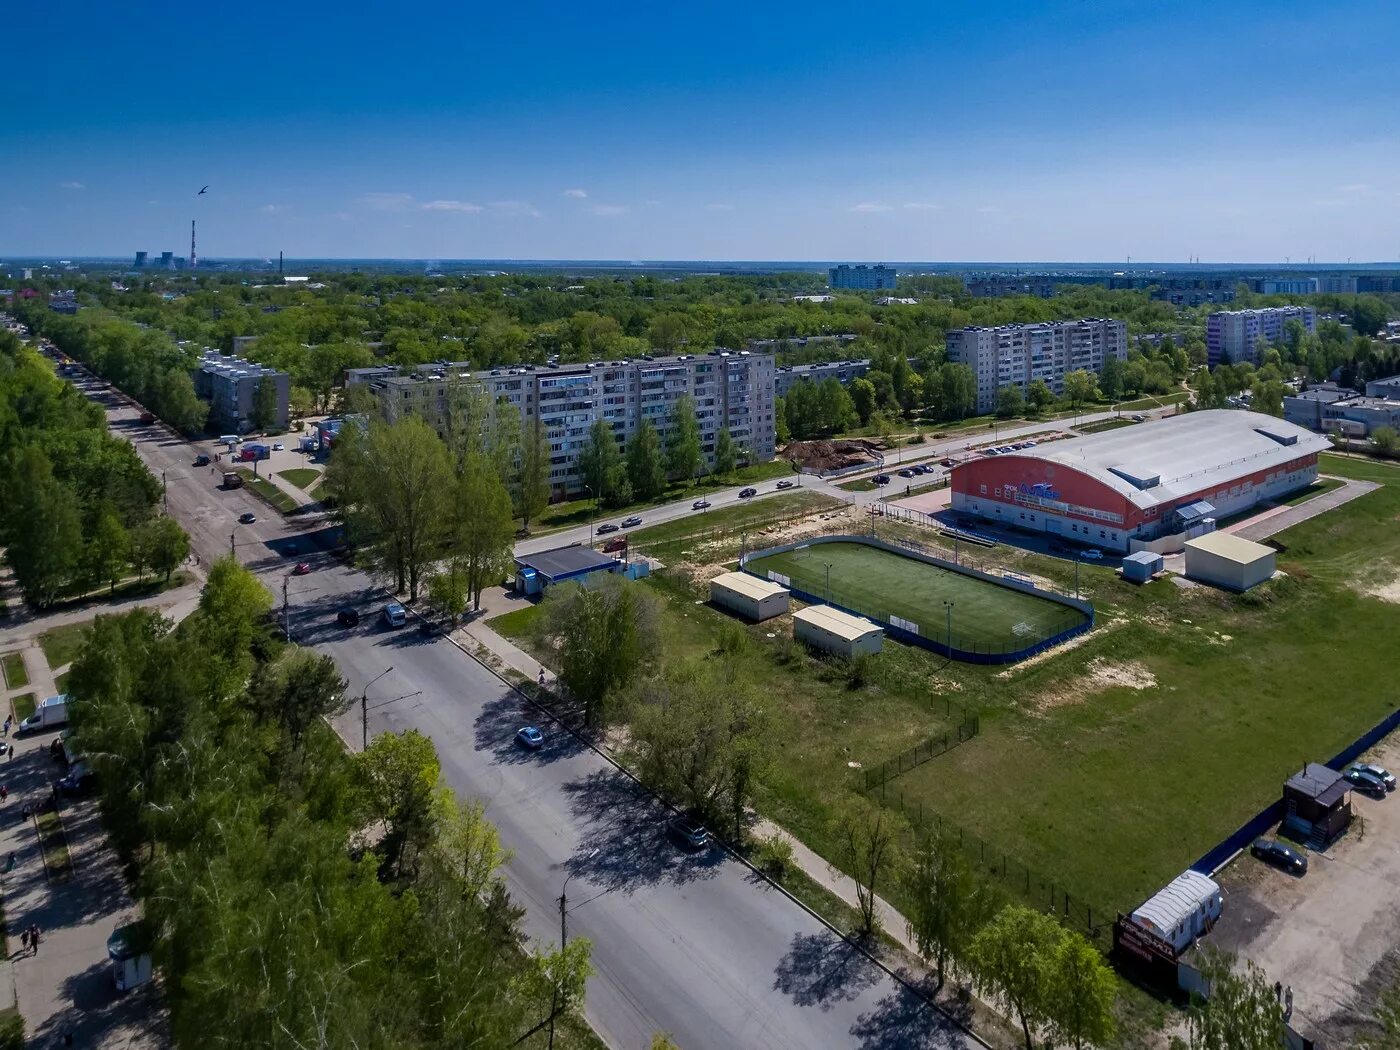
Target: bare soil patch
<point x="1099" y="676"/>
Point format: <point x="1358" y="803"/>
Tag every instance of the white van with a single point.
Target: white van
<point x="229" y="439"/>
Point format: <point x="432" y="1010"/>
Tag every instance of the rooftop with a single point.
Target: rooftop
<point x="842" y="624"/>
<point x="1163" y="460"/>
<point x="1165" y="910"/>
<point x="566" y="561"/>
<point x="1327" y="394"/>
<point x="442" y="370"/>
<point x="1386" y="404"/>
<point x="1316" y="781"/>
<point x="748" y="585"/>
<point x="1228" y="545"/>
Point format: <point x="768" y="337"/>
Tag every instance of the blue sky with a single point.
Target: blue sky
<point x="1235" y="131"/>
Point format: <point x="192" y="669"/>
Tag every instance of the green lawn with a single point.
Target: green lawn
<point x="60" y="682"/>
<point x="269" y="493"/>
<point x="13" y="666"/>
<point x="1105" y="424"/>
<point x="62" y="644"/>
<point x="53" y="842"/>
<point x="23" y="706"/>
<point x="302" y="477"/>
<point x="877" y="583"/>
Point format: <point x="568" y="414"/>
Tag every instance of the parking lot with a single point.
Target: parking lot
<point x="1332" y="935"/>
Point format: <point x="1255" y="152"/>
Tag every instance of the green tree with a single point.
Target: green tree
<point x="667" y="332"/>
<point x="782" y="432"/>
<point x="949" y="903"/>
<point x="1080" y="387"/>
<point x="1011" y="961"/>
<point x="600" y="462"/>
<point x="483" y="531"/>
<point x="867" y="848"/>
<point x="646" y="469"/>
<point x="400" y="774"/>
<point x="1040" y="396"/>
<point x="448" y="592"/>
<point x="1268" y="396"/>
<point x="863" y="397"/>
<point x="1111" y="378"/>
<point x="601" y="636"/>
<point x="166" y="545"/>
<point x="1385" y="440"/>
<point x="1242" y="1013"/>
<point x="726" y="458"/>
<point x="1010" y="403"/>
<point x="263" y="415"/>
<point x="957" y="386"/>
<point x="534" y="473"/>
<point x="295" y="691"/>
<point x="1369" y="314"/>
<point x="683" y="453"/>
<point x="108" y="549"/>
<point x="1081" y="994"/>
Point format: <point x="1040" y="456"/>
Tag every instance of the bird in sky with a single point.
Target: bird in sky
<point x="201" y="192"/>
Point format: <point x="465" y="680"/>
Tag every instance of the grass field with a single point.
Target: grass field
<point x="13" y="666"/>
<point x="62" y="644"/>
<point x="302" y="477"/>
<point x="269" y="493"/>
<point x="881" y="584"/>
<point x="670" y="537"/>
<point x="23" y="706"/>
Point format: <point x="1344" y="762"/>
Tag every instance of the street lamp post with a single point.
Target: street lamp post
<point x="828" y="581"/>
<point x="949" y="606"/>
<point x="165" y="503"/>
<point x="557" y="1006"/>
<point x="593" y="517"/>
<point x="286" y="610"/>
<point x="364" y="709"/>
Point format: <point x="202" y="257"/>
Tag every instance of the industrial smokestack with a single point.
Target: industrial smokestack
<point x="192" y="255"/>
<point x="279" y="264"/>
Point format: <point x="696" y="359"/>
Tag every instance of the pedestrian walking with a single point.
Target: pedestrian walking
<point x="1278" y="990"/>
<point x="541" y="677"/>
<point x="24" y="941"/>
<point x="34" y="939"/>
<point x="9" y="721"/>
<point x="4" y="793"/>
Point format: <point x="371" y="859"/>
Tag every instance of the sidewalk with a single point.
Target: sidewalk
<point x="23" y="624"/>
<point x="65" y="987"/>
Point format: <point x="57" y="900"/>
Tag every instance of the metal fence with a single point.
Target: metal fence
<point x="878" y="776"/>
<point x="1019" y="880"/>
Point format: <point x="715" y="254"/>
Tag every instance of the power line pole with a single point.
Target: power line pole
<point x="364" y="709"/>
<point x="286" y="611"/>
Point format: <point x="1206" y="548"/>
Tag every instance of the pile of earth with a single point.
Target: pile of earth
<point x="823" y="456"/>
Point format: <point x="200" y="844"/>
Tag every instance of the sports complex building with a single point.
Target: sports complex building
<point x="1151" y="486"/>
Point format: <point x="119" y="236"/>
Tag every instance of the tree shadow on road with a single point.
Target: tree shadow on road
<point x="96" y="1014"/>
<point x="903" y="1020"/>
<point x="822" y="969"/>
<point x="495" y="733"/>
<point x="625" y="845"/>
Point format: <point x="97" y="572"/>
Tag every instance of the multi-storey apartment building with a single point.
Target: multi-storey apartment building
<point x="731" y="390"/>
<point x="842" y="371"/>
<point x="230" y="384"/>
<point x="1234" y="335"/>
<point x="867" y="277"/>
<point x="1018" y="354"/>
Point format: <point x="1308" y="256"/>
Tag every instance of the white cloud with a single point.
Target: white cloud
<point x="516" y="208"/>
<point x="922" y="206"/>
<point x="719" y="207"/>
<point x="869" y="207"/>
<point x="576" y="194"/>
<point x="609" y="209"/>
<point x="463" y="206"/>
<point x="273" y="209"/>
<point x="70" y="186"/>
<point x="385" y="201"/>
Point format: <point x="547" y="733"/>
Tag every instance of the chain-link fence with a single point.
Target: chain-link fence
<point x="967" y="727"/>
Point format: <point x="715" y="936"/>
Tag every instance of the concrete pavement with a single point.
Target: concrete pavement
<point x="695" y="946"/>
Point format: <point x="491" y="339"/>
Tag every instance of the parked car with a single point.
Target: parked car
<point x="247" y="518"/>
<point x="946" y="462"/>
<point x="1139" y="418"/>
<point x="1271" y="851"/>
<point x="394" y="614"/>
<point x="529" y="737"/>
<point x="347" y="618"/>
<point x="1092" y="554"/>
<point x="700" y="504"/>
<point x="747" y="493"/>
<point x="80" y="781"/>
<point x="881" y="479"/>
<point x="277" y="446"/>
<point x="617" y="543"/>
<point x="632" y="522"/>
<point x="302" y="568"/>
<point x="907" y="472"/>
<point x="784" y="484"/>
<point x="688" y="833"/>
<point x="606" y="528"/>
<point x="201" y="461"/>
<point x="1386" y="776"/>
<point x="1365" y="781"/>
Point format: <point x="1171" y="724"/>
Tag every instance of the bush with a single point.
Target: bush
<point x="859" y="669"/>
<point x="731" y="639"/>
<point x="774" y="856"/>
<point x="11" y="1030"/>
<point x="787" y="650"/>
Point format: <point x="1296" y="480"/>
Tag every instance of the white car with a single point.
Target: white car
<point x="277" y="446"/>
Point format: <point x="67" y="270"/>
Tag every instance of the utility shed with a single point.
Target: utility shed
<point x="1228" y="561"/>
<point x="837" y="632"/>
<point x="1316" y="804"/>
<point x="1183" y="910"/>
<point x="535" y="572"/>
<point x="747" y="595"/>
<point x="1142" y="566"/>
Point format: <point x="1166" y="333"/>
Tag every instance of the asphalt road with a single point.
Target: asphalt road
<point x="691" y="945"/>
